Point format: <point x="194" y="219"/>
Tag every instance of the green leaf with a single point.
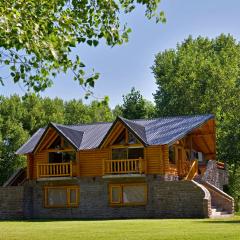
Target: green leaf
<point x="89" y="42"/>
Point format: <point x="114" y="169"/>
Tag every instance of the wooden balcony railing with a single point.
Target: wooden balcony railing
<point x="54" y="170"/>
<point x="193" y="171"/>
<point x="124" y="166"/>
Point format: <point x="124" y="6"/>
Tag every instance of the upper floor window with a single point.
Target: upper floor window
<point x="125" y="138"/>
<point x="61" y="157"/>
<point x="59" y="143"/>
<point x="60" y="151"/>
<point x="127" y="153"/>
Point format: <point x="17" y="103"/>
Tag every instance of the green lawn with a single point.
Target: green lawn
<point x="202" y="229"/>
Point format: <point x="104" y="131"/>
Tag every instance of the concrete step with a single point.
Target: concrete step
<point x="228" y="215"/>
<point x="219" y="212"/>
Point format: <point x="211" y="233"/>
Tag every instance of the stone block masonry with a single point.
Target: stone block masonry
<point x="12" y="202"/>
<point x="165" y="199"/>
<point x="172" y="199"/>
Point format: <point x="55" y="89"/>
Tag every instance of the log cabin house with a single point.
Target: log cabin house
<point x="156" y="168"/>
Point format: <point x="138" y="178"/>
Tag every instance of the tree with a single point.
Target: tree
<point x="22" y="117"/>
<point x="100" y="111"/>
<point x="12" y="135"/>
<point x="136" y="107"/>
<point x="198" y="77"/>
<point x="202" y="76"/>
<point x="76" y="112"/>
<point x="37" y="37"/>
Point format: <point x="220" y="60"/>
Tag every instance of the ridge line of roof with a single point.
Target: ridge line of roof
<point x="139" y="119"/>
<point x="66" y="126"/>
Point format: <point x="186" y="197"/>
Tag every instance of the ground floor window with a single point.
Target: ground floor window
<point x="128" y="194"/>
<point x="61" y="196"/>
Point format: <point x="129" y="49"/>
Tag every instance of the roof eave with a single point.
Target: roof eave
<point x="211" y="116"/>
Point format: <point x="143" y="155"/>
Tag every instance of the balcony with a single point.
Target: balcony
<point x="125" y="166"/>
<point x="54" y="170"/>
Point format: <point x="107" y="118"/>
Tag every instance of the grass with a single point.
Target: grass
<point x="173" y="229"/>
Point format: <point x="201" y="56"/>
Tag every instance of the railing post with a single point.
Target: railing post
<point x="71" y="169"/>
<point x="103" y="167"/>
<point x="37" y="171"/>
<point x="140" y="165"/>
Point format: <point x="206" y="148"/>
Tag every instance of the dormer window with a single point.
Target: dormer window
<point x="121" y="139"/>
<point x="60" y="143"/>
<point x="60" y="151"/>
<point x="126" y="146"/>
<point x="125" y="138"/>
<point x="56" y="143"/>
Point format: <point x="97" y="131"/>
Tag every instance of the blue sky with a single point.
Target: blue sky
<point x="125" y="66"/>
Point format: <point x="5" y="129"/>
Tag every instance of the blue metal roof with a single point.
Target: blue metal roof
<point x="157" y="131"/>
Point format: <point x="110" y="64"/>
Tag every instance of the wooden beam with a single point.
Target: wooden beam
<point x="202" y="135"/>
<point x="41" y="141"/>
<point x="48" y="140"/>
<point x="110" y="139"/>
<point x="206" y="144"/>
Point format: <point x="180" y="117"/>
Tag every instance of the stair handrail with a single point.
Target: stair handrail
<point x="193" y="171"/>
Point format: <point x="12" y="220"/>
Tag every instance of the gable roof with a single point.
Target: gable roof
<point x="73" y="136"/>
<point x="157" y="131"/>
<point x="136" y="129"/>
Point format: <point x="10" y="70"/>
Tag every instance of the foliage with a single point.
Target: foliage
<point x="202" y="76"/>
<point x="173" y="229"/>
<point x="234" y="183"/>
<point x="21" y="117"/>
<point x="37" y="37"/>
<point x="135" y="106"/>
<point x="198" y="77"/>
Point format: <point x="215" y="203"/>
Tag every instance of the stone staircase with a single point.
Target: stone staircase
<point x="219" y="212"/>
<point x="222" y="205"/>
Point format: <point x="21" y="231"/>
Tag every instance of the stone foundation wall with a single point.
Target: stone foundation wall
<point x="12" y="202"/>
<point x="215" y="176"/>
<point x="166" y="199"/>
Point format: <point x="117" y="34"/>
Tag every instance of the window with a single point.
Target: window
<point x="128" y="194"/>
<point x="56" y="143"/>
<point x="61" y="157"/>
<point x="135" y="153"/>
<point x="132" y="139"/>
<point x="171" y="155"/>
<point x="121" y="138"/>
<point x="67" y="196"/>
<point x="60" y="143"/>
<point x="119" y="153"/>
<point x="127" y="153"/>
<point x="60" y="151"/>
<point x="125" y="137"/>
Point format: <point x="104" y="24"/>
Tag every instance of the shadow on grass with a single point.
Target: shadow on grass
<point x="68" y="220"/>
<point x="223" y="221"/>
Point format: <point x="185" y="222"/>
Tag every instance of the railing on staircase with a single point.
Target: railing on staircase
<point x="193" y="171"/>
<point x="219" y="198"/>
